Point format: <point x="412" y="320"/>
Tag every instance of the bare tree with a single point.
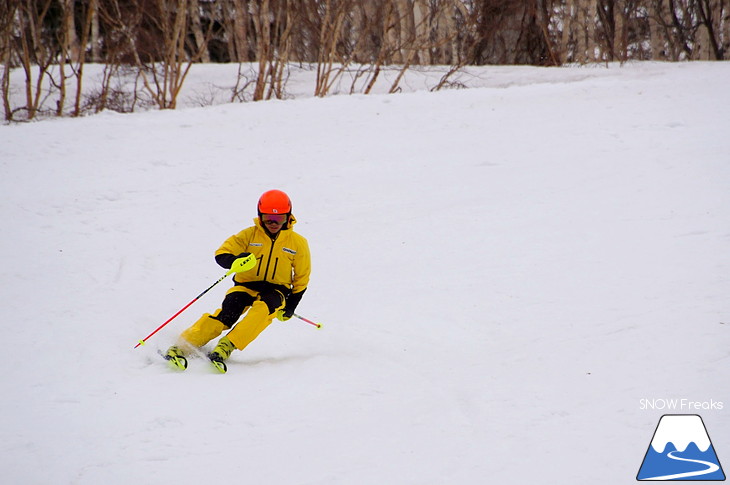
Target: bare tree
<point x="8" y="14"/>
<point x="510" y="33"/>
<point x="165" y="58"/>
<point x="88" y="34"/>
<point x="722" y="30"/>
<point x="35" y="50"/>
<point x="658" y="35"/>
<point x="620" y="15"/>
<point x="73" y="49"/>
<point x="725" y="27"/>
<point x="330" y="35"/>
<point x="709" y="13"/>
<point x="121" y="22"/>
<point x="236" y="19"/>
<point x="201" y="40"/>
<point x="149" y="46"/>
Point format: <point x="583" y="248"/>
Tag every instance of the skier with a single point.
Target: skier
<point x="274" y="287"/>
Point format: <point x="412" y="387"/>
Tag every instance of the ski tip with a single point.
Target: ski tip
<point x="219" y="365"/>
<point x="176" y="363"/>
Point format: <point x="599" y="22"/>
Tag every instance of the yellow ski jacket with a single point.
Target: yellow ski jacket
<point x="283" y="261"/>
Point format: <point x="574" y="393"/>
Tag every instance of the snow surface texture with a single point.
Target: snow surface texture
<point x="503" y="273"/>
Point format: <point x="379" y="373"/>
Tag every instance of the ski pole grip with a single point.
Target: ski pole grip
<point x="243" y="264"/>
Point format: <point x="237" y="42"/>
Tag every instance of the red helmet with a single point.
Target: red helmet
<point x="274" y="202"/>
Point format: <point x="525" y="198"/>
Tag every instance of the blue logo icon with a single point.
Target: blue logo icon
<point x="681" y="450"/>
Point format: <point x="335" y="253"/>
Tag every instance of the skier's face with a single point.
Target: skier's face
<point x="273" y="222"/>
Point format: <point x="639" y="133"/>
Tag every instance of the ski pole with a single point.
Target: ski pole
<point x="246" y="263"/>
<point x="318" y="325"/>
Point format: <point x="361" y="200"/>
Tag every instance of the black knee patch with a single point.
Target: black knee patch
<point x="233" y="306"/>
<point x="273" y="299"/>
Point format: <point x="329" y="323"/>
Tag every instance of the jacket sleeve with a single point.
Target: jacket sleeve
<point x="225" y="260"/>
<point x="231" y="247"/>
<point x="302" y="266"/>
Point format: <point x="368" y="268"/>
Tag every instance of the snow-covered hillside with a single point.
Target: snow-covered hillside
<point x="503" y="273"/>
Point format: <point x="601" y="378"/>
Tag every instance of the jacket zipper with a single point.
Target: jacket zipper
<point x="258" y="265"/>
<point x="273" y="272"/>
<point x="268" y="261"/>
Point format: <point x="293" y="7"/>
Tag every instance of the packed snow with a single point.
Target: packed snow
<point x="513" y="280"/>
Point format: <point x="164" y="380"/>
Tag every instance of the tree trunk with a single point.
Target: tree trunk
<point x="657" y="37"/>
<point x="509" y="33"/>
<point x="201" y="43"/>
<point x="568" y="50"/>
<point x="590" y="27"/>
<point x="725" y="28"/>
<point x="708" y="11"/>
<point x="8" y="14"/>
<point x="263" y="47"/>
<point x="95" y="39"/>
<point x="71" y="41"/>
<point x="240" y="31"/>
<point x="420" y="34"/>
<point x="619" y="31"/>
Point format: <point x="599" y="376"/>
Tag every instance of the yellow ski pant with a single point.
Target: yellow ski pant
<point x="255" y="321"/>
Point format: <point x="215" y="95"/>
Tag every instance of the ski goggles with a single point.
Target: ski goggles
<point x="275" y="218"/>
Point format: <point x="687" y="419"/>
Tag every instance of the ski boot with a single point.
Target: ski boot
<point x="175" y="357"/>
<point x="220" y="353"/>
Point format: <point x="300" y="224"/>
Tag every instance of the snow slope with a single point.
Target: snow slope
<point x="503" y="273"/>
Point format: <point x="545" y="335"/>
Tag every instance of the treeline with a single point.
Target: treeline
<point x="157" y="41"/>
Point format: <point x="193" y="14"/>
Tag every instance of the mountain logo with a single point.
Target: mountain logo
<point x="681" y="450"/>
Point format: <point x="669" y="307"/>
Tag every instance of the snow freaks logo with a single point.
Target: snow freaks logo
<point x="680" y="450"/>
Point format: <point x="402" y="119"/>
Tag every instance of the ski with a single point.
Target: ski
<point x="217" y="363"/>
<point x="175" y="360"/>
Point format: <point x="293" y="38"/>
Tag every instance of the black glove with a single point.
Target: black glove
<point x="291" y="304"/>
<point x="226" y="260"/>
